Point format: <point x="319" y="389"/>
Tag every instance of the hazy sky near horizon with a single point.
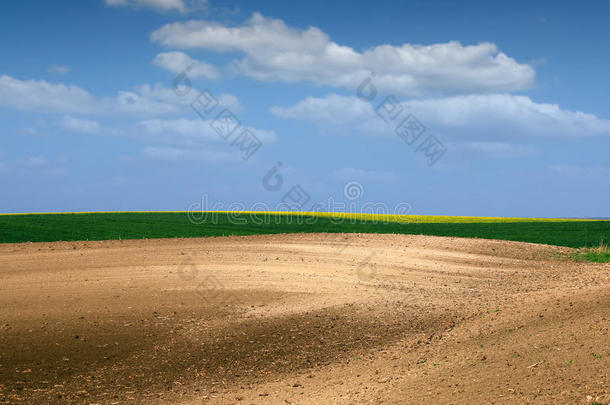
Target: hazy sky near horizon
<point x="477" y="108"/>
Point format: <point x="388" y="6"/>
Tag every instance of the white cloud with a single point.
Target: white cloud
<point x="274" y="51"/>
<point x="190" y="132"/>
<point x="580" y="171"/>
<point x="161" y="93"/>
<point x="181" y="6"/>
<point x="79" y="125"/>
<point x="485" y="117"/>
<point x="179" y="132"/>
<point x="29" y="131"/>
<point x="41" y="96"/>
<point x="333" y="110"/>
<point x="58" y="69"/>
<point x="76" y="106"/>
<point x="128" y="102"/>
<point x="520" y="115"/>
<point x="229" y="101"/>
<point x="172" y="154"/>
<point x="351" y="173"/>
<point x="44" y="97"/>
<point x="34" y="164"/>
<point x="498" y="149"/>
<point x="178" y="62"/>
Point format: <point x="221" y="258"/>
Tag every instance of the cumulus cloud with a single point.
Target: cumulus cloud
<point x="189" y="132"/>
<point x="40" y="95"/>
<point x="507" y="113"/>
<point x="475" y="117"/>
<point x="79" y="125"/>
<point x="179" y="132"/>
<point x="181" y="6"/>
<point x="178" y="62"/>
<point x="45" y="97"/>
<point x="275" y="51"/>
<point x="133" y="103"/>
<point x="333" y="110"/>
<point x="162" y="93"/>
<point x="129" y="110"/>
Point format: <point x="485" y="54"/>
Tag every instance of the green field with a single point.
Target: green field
<point x="125" y="225"/>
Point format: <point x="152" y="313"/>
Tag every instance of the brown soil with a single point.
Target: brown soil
<point x="302" y="319"/>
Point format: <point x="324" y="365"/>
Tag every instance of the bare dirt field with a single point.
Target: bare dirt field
<point x="302" y="319"/>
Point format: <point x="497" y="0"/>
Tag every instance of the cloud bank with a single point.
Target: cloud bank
<point x="274" y="51"/>
<point x="489" y="116"/>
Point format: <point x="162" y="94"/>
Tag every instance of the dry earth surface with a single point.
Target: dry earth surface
<point x="302" y="319"/>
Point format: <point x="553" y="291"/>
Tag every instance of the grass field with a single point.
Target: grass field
<point x="132" y="225"/>
<point x="599" y="254"/>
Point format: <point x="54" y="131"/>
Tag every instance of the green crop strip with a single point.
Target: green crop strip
<point x="131" y="225"/>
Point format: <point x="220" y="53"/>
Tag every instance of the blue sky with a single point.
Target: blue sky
<point x="512" y="97"/>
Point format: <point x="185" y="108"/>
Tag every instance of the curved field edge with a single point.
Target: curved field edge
<point x="17" y="228"/>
